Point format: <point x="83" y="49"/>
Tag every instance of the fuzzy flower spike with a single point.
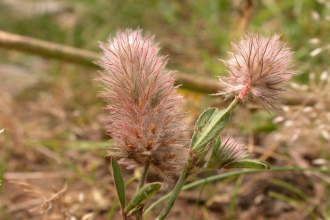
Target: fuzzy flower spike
<point x="258" y="67"/>
<point x="145" y="121"/>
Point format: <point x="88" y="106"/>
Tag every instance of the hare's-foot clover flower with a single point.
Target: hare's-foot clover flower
<point x="258" y="66"/>
<point x="227" y="152"/>
<point x="145" y="121"/>
<point x="232" y="151"/>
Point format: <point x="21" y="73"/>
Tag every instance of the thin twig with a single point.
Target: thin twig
<point x="47" y="49"/>
<point x="85" y="57"/>
<point x="243" y="19"/>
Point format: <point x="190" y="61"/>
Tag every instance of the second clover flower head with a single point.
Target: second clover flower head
<point x="258" y="67"/>
<point x="232" y="151"/>
<point x="145" y="120"/>
<point x="226" y="153"/>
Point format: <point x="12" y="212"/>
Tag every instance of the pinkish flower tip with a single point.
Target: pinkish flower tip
<point x="232" y="151"/>
<point x="258" y="67"/>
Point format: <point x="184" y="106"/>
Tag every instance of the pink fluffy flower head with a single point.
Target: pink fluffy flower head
<point x="232" y="151"/>
<point x="145" y="121"/>
<point x="226" y="153"/>
<point x="258" y="67"/>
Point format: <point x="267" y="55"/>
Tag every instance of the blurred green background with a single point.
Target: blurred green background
<point x="194" y="33"/>
<point x="54" y="122"/>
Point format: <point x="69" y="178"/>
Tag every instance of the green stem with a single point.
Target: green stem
<point x="177" y="189"/>
<point x="143" y="176"/>
<point x="139" y="213"/>
<point x="175" y="193"/>
<point x="233" y="104"/>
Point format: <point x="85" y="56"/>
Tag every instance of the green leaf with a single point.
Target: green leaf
<point x="249" y="163"/>
<point x="210" y="123"/>
<point x="142" y="195"/>
<point x="204" y="117"/>
<point x="200" y="124"/>
<point x="119" y="182"/>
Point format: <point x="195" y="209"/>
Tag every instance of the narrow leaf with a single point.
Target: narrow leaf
<point x="249" y="163"/>
<point x="119" y="182"/>
<point x="208" y="126"/>
<point x="142" y="195"/>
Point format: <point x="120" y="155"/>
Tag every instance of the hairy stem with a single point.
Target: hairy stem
<point x="139" y="213"/>
<point x="143" y="175"/>
<point x="176" y="190"/>
<point x="233" y="104"/>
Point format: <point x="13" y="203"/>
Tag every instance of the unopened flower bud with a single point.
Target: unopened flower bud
<point x="227" y="152"/>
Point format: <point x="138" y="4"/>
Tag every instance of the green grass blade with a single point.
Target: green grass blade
<point x="293" y="202"/>
<point x="114" y="204"/>
<point x="289" y="187"/>
<point x="233" y="173"/>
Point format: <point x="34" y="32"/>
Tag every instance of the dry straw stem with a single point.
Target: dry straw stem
<point x="36" y="175"/>
<point x="84" y="57"/>
<point x="245" y="11"/>
<point x="47" y="49"/>
<point x="47" y="203"/>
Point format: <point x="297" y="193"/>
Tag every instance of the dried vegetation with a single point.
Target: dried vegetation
<point x="53" y="146"/>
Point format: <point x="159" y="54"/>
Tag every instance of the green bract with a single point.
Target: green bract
<point x="142" y="195"/>
<point x="249" y="163"/>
